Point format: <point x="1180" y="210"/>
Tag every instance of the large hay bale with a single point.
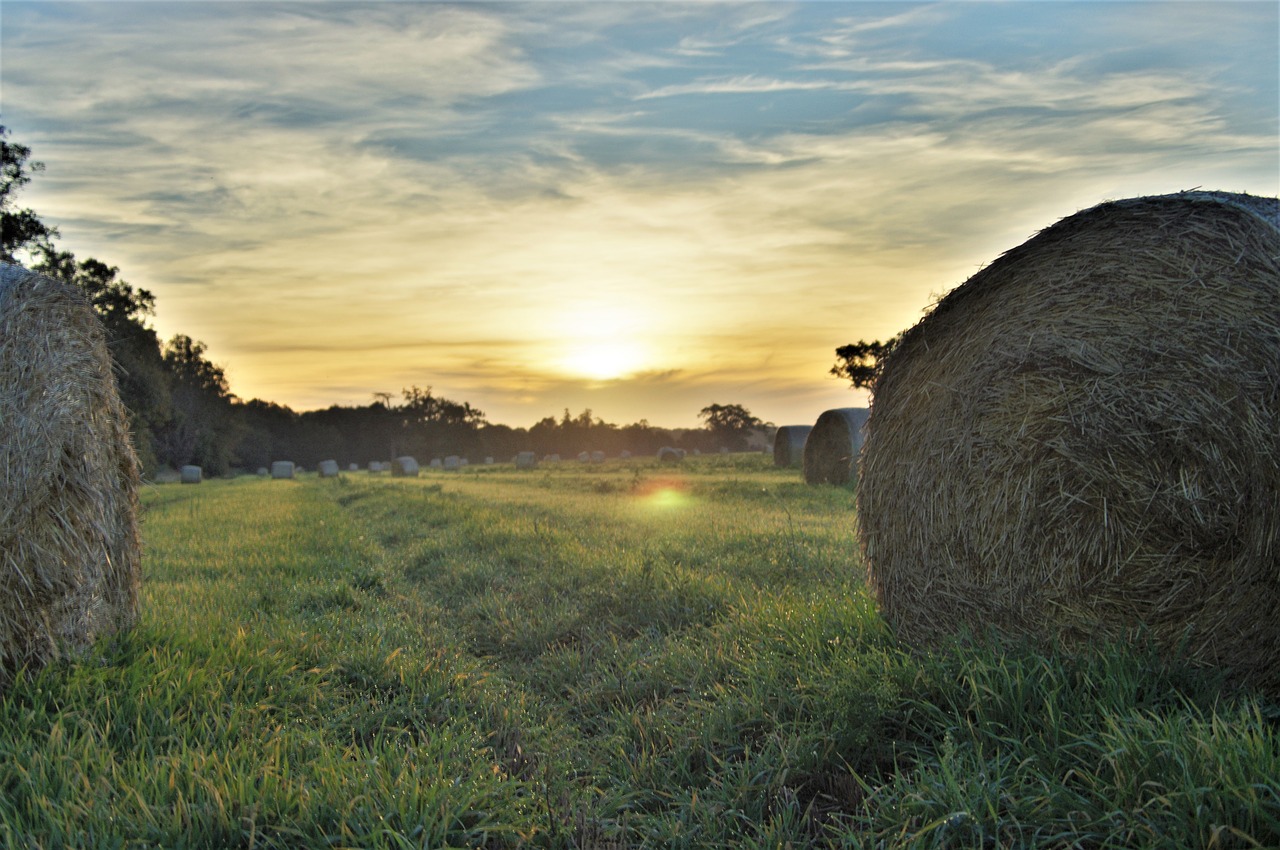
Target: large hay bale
<point x="328" y="469"/>
<point x="404" y="467"/>
<point x="831" y="450"/>
<point x="282" y="469"/>
<point x="788" y="445"/>
<point x="1082" y="442"/>
<point x="526" y="460"/>
<point x="69" y="549"/>
<point x="191" y="474"/>
<point x="668" y="454"/>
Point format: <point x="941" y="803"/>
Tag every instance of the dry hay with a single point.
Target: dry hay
<point x="1081" y="442"/>
<point x="832" y="447"/>
<point x="788" y="445"/>
<point x="328" y="469"/>
<point x="282" y="469"/>
<point x="69" y="548"/>
<point x="191" y="474"/>
<point x="404" y="467"/>
<point x="526" y="460"/>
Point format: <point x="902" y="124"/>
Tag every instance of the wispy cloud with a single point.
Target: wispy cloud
<point x="343" y="198"/>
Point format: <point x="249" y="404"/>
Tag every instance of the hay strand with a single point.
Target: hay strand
<point x="1080" y="442"/>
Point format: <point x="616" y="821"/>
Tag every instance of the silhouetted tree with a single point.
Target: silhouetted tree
<point x="20" y="229"/>
<point x="729" y="424"/>
<point x="859" y="362"/>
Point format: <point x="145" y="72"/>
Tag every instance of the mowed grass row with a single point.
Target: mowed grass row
<point x="621" y="655"/>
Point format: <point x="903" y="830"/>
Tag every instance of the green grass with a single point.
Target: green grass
<point x="589" y="657"/>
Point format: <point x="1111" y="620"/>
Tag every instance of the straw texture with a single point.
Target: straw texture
<point x="1082" y="441"/>
<point x="69" y="547"/>
<point x="832" y="447"/>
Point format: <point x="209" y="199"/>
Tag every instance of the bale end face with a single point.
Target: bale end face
<point x="788" y="445"/>
<point x="832" y="447"/>
<point x="1079" y="443"/>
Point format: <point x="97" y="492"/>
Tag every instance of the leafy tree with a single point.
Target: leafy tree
<point x="203" y="428"/>
<point x="859" y="362"/>
<point x="730" y="423"/>
<point x="20" y="229"/>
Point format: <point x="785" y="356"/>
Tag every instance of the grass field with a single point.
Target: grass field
<point x="615" y="655"/>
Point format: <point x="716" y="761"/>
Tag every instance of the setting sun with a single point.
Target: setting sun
<point x="603" y="359"/>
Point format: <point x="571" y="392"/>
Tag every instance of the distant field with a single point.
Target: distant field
<point x="590" y="656"/>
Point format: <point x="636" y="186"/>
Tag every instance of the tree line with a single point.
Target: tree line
<point x="182" y="410"/>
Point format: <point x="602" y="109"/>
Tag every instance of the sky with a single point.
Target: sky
<point x="638" y="208"/>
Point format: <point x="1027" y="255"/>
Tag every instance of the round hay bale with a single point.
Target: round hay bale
<point x="282" y="469"/>
<point x="452" y="462"/>
<point x="191" y="474"/>
<point x="375" y="466"/>
<point x="526" y="460"/>
<point x="625" y="454"/>
<point x="69" y="549"/>
<point x="597" y="457"/>
<point x="353" y="467"/>
<point x="831" y="450"/>
<point x="667" y="454"/>
<point x="1081" y="442"/>
<point x="263" y="472"/>
<point x="328" y="469"/>
<point x="788" y="445"/>
<point x="404" y="467"/>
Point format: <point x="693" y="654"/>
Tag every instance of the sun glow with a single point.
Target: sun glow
<point x="603" y="359"/>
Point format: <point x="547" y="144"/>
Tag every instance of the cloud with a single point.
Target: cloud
<point x="373" y="195"/>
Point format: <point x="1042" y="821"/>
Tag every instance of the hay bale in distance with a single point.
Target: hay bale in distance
<point x="191" y="474"/>
<point x="263" y="472"/>
<point x="328" y="469"/>
<point x="1080" y="442"/>
<point x="404" y="467"/>
<point x="282" y="469"/>
<point x="69" y="549"/>
<point x="526" y="460"/>
<point x="375" y="466"/>
<point x="832" y="447"/>
<point x="667" y="454"/>
<point x="452" y="462"/>
<point x="353" y="467"/>
<point x="788" y="445"/>
<point x="625" y="454"/>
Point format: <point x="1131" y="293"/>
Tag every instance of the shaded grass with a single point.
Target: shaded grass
<point x="677" y="659"/>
